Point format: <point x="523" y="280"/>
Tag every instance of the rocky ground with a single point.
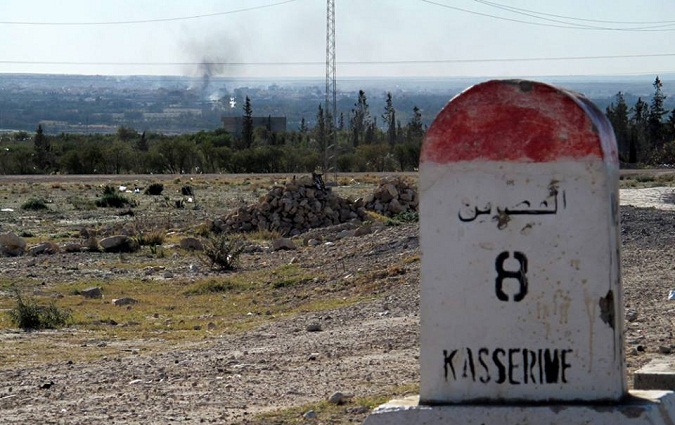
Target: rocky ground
<point x="367" y="351"/>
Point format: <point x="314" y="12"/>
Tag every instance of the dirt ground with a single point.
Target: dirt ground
<point x="366" y="350"/>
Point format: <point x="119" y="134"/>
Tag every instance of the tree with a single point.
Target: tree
<point x="389" y="117"/>
<point x="360" y="119"/>
<point x="247" y="124"/>
<point x="42" y="150"/>
<point x="415" y="128"/>
<point x="142" y="143"/>
<point x="126" y="134"/>
<point x="618" y="117"/>
<point x="303" y="126"/>
<point x="638" y="149"/>
<point x="655" y="126"/>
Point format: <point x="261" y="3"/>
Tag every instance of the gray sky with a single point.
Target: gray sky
<point x="281" y="38"/>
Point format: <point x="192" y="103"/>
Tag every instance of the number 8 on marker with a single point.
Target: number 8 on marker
<point x="519" y="275"/>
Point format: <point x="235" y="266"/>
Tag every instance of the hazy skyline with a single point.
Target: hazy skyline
<point x="277" y="38"/>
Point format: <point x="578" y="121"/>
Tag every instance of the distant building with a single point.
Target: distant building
<point x="234" y="125"/>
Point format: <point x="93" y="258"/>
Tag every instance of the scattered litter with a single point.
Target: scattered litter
<point x="7" y="209"/>
<point x="671" y="294"/>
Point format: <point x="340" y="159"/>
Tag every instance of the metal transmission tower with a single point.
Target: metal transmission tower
<point x="330" y="145"/>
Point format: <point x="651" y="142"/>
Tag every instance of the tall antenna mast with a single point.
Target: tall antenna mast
<point x="329" y="154"/>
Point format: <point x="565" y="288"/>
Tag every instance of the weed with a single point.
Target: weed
<point x="154" y="189"/>
<point x="407" y="217"/>
<point x="222" y="251"/>
<point x="151" y="238"/>
<point x="34" y="204"/>
<point x="113" y="199"/>
<point x="28" y="315"/>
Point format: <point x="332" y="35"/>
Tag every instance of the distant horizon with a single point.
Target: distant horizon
<point x="668" y="75"/>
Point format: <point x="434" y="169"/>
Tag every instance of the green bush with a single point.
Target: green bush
<point x="222" y="251"/>
<point x="154" y="189"/>
<point x="28" y="315"/>
<point x="111" y="198"/>
<point x="34" y="204"/>
<point x="404" y="217"/>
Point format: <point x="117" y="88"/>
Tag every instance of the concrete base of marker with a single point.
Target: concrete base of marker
<point x="659" y="374"/>
<point x="640" y="407"/>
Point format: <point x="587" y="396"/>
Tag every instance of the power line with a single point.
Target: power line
<point x="347" y="62"/>
<point x="149" y="21"/>
<point x="505" y="7"/>
<point x="568" y="25"/>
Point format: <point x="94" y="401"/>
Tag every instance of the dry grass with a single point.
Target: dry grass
<point x="171" y="310"/>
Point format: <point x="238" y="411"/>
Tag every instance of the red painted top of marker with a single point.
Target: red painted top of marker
<point x="519" y="121"/>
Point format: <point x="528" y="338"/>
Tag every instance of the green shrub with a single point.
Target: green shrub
<point x="154" y="189"/>
<point x="404" y="217"/>
<point x="34" y="204"/>
<point x="111" y="198"/>
<point x="222" y="251"/>
<point x="28" y="315"/>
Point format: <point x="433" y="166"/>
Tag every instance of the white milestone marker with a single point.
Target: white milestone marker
<point x="521" y="295"/>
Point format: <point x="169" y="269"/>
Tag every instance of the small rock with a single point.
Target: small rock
<point x="12" y="245"/>
<point x="339" y="398"/>
<point x="313" y="356"/>
<point x="313" y="242"/>
<point x="72" y="247"/>
<point x="211" y="326"/>
<point x="663" y="349"/>
<point x="168" y="275"/>
<point x="44" y="248"/>
<point x="631" y="315"/>
<point x="314" y="327"/>
<point x="197" y="327"/>
<point x="94" y="292"/>
<point x="124" y="301"/>
<point x="47" y="385"/>
<point x="310" y="414"/>
<point x="119" y="243"/>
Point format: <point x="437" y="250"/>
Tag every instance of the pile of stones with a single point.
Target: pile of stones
<point x="291" y="209"/>
<point x="305" y="203"/>
<point x="394" y="196"/>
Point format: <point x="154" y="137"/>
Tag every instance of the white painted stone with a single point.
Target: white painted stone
<point x="521" y="296"/>
<point x="641" y="407"/>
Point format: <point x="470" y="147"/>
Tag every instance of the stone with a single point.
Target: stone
<point x="124" y="301"/>
<point x="72" y="247"/>
<point x="44" y="248"/>
<point x="339" y="398"/>
<point x="521" y="305"/>
<point x="119" y="243"/>
<point x="310" y="414"/>
<point x="94" y="292"/>
<point x="639" y="408"/>
<point x="543" y="160"/>
<point x="658" y="374"/>
<point x="12" y="245"/>
<point x="314" y="327"/>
